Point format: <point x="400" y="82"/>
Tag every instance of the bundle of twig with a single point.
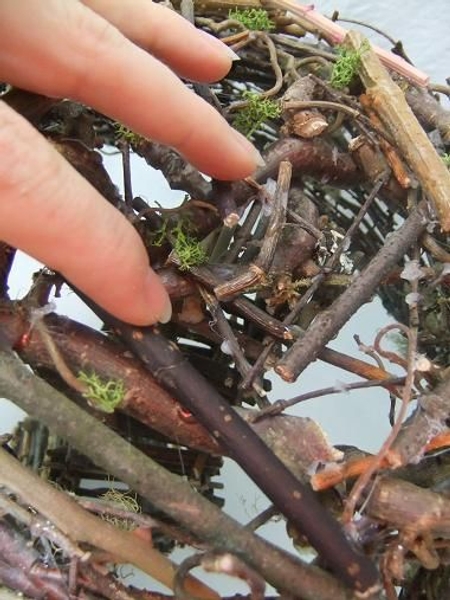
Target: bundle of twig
<point x="353" y="201"/>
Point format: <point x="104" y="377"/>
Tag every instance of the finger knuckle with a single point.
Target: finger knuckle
<point x="25" y="162"/>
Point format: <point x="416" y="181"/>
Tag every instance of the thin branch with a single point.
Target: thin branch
<point x="280" y="405"/>
<point x="324" y="327"/>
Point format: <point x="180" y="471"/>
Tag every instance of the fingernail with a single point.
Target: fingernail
<point x="218" y="45"/>
<point x="166" y="315"/>
<point x="159" y="304"/>
<point x="231" y="53"/>
<point x="250" y="148"/>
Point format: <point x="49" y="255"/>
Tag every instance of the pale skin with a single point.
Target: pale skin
<point x="122" y="58"/>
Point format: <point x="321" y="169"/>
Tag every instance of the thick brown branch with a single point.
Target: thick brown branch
<point x="294" y="500"/>
<point x="408" y="507"/>
<point x="166" y="491"/>
<point x="145" y="400"/>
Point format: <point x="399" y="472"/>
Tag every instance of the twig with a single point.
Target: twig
<point x="365" y="477"/>
<point x="126" y="169"/>
<point x="257" y="271"/>
<point x="243" y="233"/>
<point x="262" y="518"/>
<point x="280" y="405"/>
<point x="226" y="332"/>
<point x="169" y="493"/>
<point x="412" y="335"/>
<point x="324" y="327"/>
<point x="389" y="102"/>
<point x="337" y="17"/>
<point x="244" y="39"/>
<point x="167" y="365"/>
<point x="59" y="362"/>
<point x="336" y="34"/>
<point x="244" y="307"/>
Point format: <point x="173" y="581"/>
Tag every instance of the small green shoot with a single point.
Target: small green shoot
<point x="346" y="66"/>
<point x="102" y="395"/>
<point x="256" y="19"/>
<point x="446" y="159"/>
<point x="258" y="110"/>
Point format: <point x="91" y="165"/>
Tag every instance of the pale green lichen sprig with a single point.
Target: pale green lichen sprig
<point x="102" y="395"/>
<point x="346" y="67"/>
<point x="255" y="113"/>
<point x="255" y="19"/>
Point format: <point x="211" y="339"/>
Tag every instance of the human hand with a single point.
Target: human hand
<point x="98" y="52"/>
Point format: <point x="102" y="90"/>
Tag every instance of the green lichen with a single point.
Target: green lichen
<point x="256" y="19"/>
<point x="258" y="111"/>
<point x="126" y="135"/>
<point x="102" y="395"/>
<point x="189" y="251"/>
<point x="346" y="67"/>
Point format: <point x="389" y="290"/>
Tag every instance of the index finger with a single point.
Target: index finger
<point x="168" y="37"/>
<point x="62" y="48"/>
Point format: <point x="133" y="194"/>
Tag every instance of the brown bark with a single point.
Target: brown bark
<point x="166" y="491"/>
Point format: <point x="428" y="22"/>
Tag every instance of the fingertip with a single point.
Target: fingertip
<point x="238" y="157"/>
<point x="251" y="150"/>
<point x="156" y="301"/>
<point x="143" y="304"/>
<point x="223" y="54"/>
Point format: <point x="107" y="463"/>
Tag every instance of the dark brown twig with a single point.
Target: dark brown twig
<point x="257" y="271"/>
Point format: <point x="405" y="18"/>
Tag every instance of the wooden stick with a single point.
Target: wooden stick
<point x="81" y="526"/>
<point x="390" y="104"/>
